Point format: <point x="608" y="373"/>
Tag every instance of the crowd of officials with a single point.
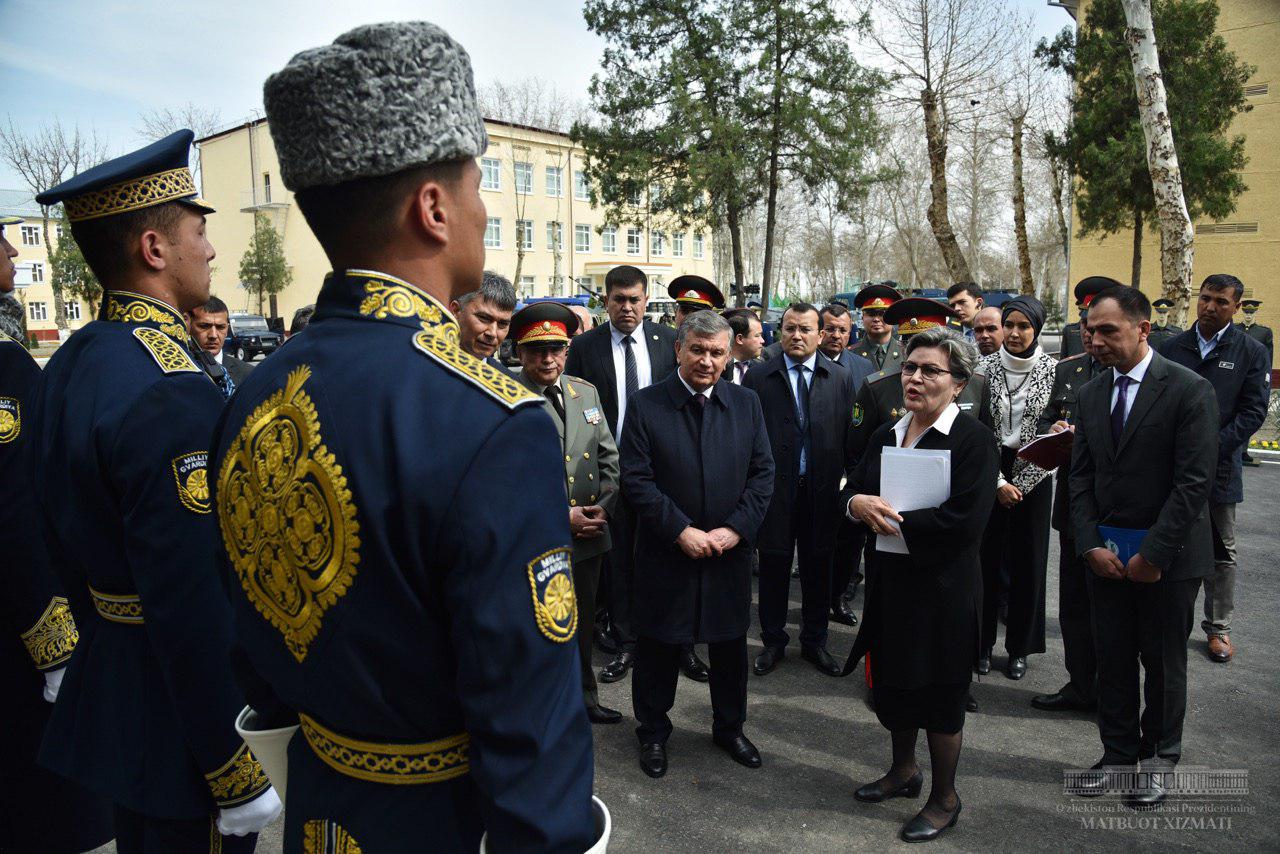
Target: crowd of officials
<point x="199" y="549"/>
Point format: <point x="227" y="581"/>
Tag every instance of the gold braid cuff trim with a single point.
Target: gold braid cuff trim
<point x="393" y="764"/>
<point x="327" y="837"/>
<point x="132" y="195"/>
<point x="241" y="779"/>
<point x="52" y="639"/>
<point x="118" y="608"/>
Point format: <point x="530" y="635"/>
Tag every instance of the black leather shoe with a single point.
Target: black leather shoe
<point x="1090" y="784"/>
<point x="599" y="714"/>
<point x="1150" y="797"/>
<point x="1017" y="667"/>
<point x="605" y="642"/>
<point x="692" y="666"/>
<point x="653" y="759"/>
<point x="874" y="793"/>
<point x="617" y="669"/>
<point x="1062" y="701"/>
<point x="768" y="659"/>
<point x="843" y="614"/>
<point x="740" y="750"/>
<point x="970" y="704"/>
<point x="822" y="660"/>
<point x="920" y="830"/>
<point x="983" y="666"/>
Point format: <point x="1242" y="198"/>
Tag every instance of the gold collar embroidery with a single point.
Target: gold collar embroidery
<point x="127" y="307"/>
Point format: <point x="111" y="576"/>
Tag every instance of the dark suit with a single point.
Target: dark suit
<point x="1161" y="335"/>
<point x="1069" y="377"/>
<point x="709" y="468"/>
<point x="591" y="357"/>
<point x="803" y="512"/>
<point x="860" y="367"/>
<point x="1158" y="478"/>
<point x="236" y="368"/>
<point x="1262" y="334"/>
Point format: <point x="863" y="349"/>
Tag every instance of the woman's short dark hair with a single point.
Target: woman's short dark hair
<point x="962" y="357"/>
<point x="1133" y="303"/>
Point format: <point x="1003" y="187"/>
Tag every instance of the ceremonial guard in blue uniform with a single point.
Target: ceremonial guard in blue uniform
<point x="39" y="811"/>
<point x="121" y="431"/>
<point x="392" y="508"/>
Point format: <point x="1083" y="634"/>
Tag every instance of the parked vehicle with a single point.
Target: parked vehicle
<point x="250" y="337"/>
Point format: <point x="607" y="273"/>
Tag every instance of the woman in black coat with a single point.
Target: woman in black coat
<point x="921" y="620"/>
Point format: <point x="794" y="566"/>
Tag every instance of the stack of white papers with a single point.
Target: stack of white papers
<point x="912" y="479"/>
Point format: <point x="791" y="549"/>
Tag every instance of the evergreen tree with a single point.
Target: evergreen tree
<point x="70" y="273"/>
<point x="263" y="269"/>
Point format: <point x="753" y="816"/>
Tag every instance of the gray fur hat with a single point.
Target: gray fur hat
<point x="382" y="98"/>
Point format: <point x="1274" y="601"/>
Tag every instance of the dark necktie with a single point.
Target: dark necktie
<point x="741" y="369"/>
<point x="632" y="372"/>
<point x="802" y="415"/>
<point x="1117" y="411"/>
<point x="553" y="395"/>
<point x="879" y="354"/>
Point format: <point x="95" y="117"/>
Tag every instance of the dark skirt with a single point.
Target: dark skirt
<point x="933" y="708"/>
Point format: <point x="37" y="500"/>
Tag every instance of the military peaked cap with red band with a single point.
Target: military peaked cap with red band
<point x="1091" y="286"/>
<point x="544" y="323"/>
<point x="916" y="314"/>
<point x="695" y="292"/>
<point x="876" y="297"/>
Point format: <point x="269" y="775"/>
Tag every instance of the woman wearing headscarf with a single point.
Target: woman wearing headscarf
<point x="1020" y="375"/>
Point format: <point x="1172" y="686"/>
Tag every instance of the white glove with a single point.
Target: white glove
<point x="52" y="682"/>
<point x="251" y="817"/>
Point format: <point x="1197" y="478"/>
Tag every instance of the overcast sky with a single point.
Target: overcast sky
<point x="101" y="63"/>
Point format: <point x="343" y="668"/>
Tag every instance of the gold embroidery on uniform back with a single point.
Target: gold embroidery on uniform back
<point x="286" y="515"/>
<point x="500" y="385"/>
<point x="327" y="837"/>
<point x="386" y="299"/>
<point x="171" y="358"/>
<point x="555" y="606"/>
<point x="52" y="639"/>
<point x="10" y="419"/>
<point x="130" y="308"/>
<point x="241" y="779"/>
<point x="191" y="473"/>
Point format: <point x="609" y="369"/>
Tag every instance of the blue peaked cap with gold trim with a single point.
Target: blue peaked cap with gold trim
<point x="141" y="179"/>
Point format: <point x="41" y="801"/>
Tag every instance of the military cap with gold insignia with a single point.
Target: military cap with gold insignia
<point x="150" y="176"/>
<point x="695" y="293"/>
<point x="876" y="297"/>
<point x="1090" y="286"/>
<point x="1164" y="304"/>
<point x="1250" y="305"/>
<point x="916" y="314"/>
<point x="543" y="323"/>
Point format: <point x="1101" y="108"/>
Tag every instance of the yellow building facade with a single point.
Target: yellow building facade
<point x="543" y="232"/>
<point x="1247" y="244"/>
<point x="34" y="289"/>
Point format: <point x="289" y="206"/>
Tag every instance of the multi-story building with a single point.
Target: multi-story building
<point x="1247" y="244"/>
<point x="34" y="289"/>
<point x="543" y="232"/>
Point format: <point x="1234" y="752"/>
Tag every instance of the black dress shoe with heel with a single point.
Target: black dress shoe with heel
<point x="970" y="704"/>
<point x="768" y="659"/>
<point x="692" y="666"/>
<point x="983" y="667"/>
<point x="1017" y="667"/>
<point x="874" y="793"/>
<point x="1092" y="783"/>
<point x="841" y="613"/>
<point x="653" y="759"/>
<point x="617" y="669"/>
<point x="740" y="749"/>
<point x="920" y="830"/>
<point x="1065" y="700"/>
<point x="599" y="714"/>
<point x="822" y="660"/>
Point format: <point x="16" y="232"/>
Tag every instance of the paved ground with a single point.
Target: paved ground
<point x="819" y="742"/>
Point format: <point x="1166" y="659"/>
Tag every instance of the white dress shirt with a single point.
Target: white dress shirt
<point x="644" y="370"/>
<point x="1135" y="374"/>
<point x="1206" y="347"/>
<point x="705" y="393"/>
<point x="217" y="357"/>
<point x="738" y="370"/>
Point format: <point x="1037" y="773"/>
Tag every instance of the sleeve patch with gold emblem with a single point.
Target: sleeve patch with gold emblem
<point x="191" y="473"/>
<point x="555" y="605"/>
<point x="10" y="419"/>
<point x="857" y="416"/>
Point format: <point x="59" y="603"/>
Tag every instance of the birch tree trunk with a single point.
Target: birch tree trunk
<point x="1177" y="248"/>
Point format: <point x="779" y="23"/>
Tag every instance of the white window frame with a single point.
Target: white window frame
<point x="555" y="284"/>
<point x="581" y="190"/>
<point x="38" y="311"/>
<point x="37" y="273"/>
<point x="634" y="238"/>
<point x="490" y="173"/>
<point x="636" y="199"/>
<point x="30" y="235"/>
<point x="524" y="234"/>
<point x="699" y="247"/>
<point x="582" y="238"/>
<point x="493" y="232"/>
<point x="609" y="239"/>
<point x="677" y="245"/>
<point x="555" y="181"/>
<point x="73" y="309"/>
<point x="657" y="243"/>
<point x="523" y="170"/>
<point x="555" y="235"/>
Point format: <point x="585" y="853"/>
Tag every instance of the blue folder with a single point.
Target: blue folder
<point x="1124" y="543"/>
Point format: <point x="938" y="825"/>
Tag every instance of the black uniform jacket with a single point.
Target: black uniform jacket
<point x="1158" y="477"/>
<point x="591" y="357"/>
<point x="923" y="610"/>
<point x="147" y="708"/>
<point x="1238" y="369"/>
<point x="879" y="402"/>
<point x="675" y="476"/>
<point x="1069" y="376"/>
<point x="831" y="393"/>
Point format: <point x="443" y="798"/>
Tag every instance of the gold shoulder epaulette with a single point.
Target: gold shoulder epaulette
<point x="171" y="358"/>
<point x="499" y="385"/>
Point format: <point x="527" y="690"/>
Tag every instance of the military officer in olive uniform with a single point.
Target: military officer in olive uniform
<point x="1161" y="329"/>
<point x="1261" y="334"/>
<point x="147" y="708"/>
<point x="541" y="333"/>
<point x="878" y="343"/>
<point x="39" y="811"/>
<point x="392" y="508"/>
<point x="1086" y="289"/>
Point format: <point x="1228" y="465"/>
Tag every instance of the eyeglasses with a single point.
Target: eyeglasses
<point x="929" y="372"/>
